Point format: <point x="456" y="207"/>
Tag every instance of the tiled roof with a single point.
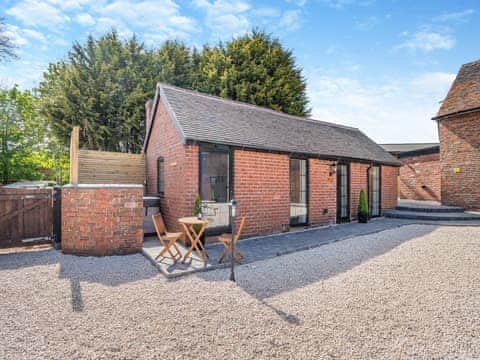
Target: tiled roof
<point x="407" y="147"/>
<point x="206" y="118"/>
<point x="465" y="91"/>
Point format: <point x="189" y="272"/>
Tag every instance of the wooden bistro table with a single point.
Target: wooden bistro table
<point x="194" y="237"/>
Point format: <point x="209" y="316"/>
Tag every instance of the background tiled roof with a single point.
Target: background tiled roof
<point x="465" y="91"/>
<point x="207" y="118"/>
<point x="406" y="147"/>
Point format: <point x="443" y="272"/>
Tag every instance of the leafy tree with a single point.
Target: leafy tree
<point x="102" y="87"/>
<point x="262" y="72"/>
<point x="7" y="47"/>
<point x="103" y="84"/>
<point x="174" y="63"/>
<point x="26" y="149"/>
<point x="209" y="69"/>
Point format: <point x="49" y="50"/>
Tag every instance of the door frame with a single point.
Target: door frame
<point x="338" y="217"/>
<point x="369" y="188"/>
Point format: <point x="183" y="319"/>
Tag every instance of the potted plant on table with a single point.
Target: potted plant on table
<point x="197" y="212"/>
<point x="362" y="208"/>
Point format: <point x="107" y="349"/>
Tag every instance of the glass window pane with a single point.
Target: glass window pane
<point x="298" y="191"/>
<point x="160" y="175"/>
<point x="214" y="176"/>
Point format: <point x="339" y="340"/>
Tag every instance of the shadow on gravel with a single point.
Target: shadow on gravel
<point x="109" y="271"/>
<point x="267" y="279"/>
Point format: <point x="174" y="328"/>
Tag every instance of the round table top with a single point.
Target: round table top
<point x="191" y="220"/>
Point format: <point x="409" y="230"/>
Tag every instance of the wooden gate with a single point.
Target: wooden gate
<point x="25" y="215"/>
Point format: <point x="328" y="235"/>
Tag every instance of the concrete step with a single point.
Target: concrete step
<point x="432" y="216"/>
<point x="430" y="208"/>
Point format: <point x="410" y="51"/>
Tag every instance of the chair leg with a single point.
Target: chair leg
<point x="225" y="253"/>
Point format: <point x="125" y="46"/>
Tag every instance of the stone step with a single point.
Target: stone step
<point x="430" y="209"/>
<point x="433" y="216"/>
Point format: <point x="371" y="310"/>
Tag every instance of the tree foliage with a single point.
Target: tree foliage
<point x="103" y="84"/>
<point x="102" y="87"/>
<point x="27" y="149"/>
<point x="261" y="72"/>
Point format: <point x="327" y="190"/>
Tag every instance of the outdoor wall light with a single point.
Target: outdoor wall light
<point x="333" y="168"/>
<point x="233" y="205"/>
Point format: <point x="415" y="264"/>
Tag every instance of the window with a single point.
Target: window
<point x="214" y="171"/>
<point x="298" y="191"/>
<point x="160" y="175"/>
<point x="374" y="191"/>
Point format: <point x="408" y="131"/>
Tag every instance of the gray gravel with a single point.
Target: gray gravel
<point x="413" y="291"/>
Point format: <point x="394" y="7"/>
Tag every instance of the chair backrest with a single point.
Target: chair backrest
<point x="240" y="229"/>
<point x="159" y="224"/>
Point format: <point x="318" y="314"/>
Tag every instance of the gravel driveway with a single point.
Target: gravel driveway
<point x="413" y="291"/>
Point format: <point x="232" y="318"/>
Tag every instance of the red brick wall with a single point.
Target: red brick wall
<point x="102" y="221"/>
<point x="420" y="177"/>
<point x="460" y="148"/>
<point x="181" y="169"/>
<point x="262" y="185"/>
<point x="389" y="179"/>
<point x="323" y="193"/>
<point x="358" y="181"/>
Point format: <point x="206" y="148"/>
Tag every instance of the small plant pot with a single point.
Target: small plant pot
<point x="363" y="217"/>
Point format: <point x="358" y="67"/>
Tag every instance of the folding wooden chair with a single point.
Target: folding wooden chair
<point x="227" y="241"/>
<point x="167" y="239"/>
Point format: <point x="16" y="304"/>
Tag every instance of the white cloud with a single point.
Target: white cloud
<point x="389" y="110"/>
<point x="297" y="2"/>
<point x="72" y="4"/>
<point x="22" y="37"/>
<point x="225" y="18"/>
<point x="85" y="19"/>
<point x="291" y="19"/>
<point x="460" y="16"/>
<point x="427" y="41"/>
<point x="160" y="17"/>
<point x="339" y="4"/>
<point x="37" y="13"/>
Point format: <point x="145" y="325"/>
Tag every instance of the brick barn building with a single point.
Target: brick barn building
<point x="283" y="170"/>
<point x="419" y="177"/>
<point x="459" y="133"/>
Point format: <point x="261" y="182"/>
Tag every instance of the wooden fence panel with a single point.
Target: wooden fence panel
<point x="25" y="214"/>
<point x="104" y="167"/>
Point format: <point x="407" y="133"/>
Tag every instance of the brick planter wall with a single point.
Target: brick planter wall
<point x="460" y="160"/>
<point x="102" y="220"/>
<point x="420" y="177"/>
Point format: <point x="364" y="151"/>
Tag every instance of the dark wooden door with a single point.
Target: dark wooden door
<point x="25" y="215"/>
<point x="343" y="189"/>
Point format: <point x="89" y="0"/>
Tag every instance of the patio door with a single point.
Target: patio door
<point x="298" y="192"/>
<point x="374" y="191"/>
<point x="215" y="182"/>
<point x="343" y="188"/>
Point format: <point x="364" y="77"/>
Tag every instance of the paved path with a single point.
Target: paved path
<point x="267" y="247"/>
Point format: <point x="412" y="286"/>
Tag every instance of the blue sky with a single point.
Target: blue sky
<point x="381" y="66"/>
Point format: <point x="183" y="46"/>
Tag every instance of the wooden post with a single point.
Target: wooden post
<point x="74" y="145"/>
